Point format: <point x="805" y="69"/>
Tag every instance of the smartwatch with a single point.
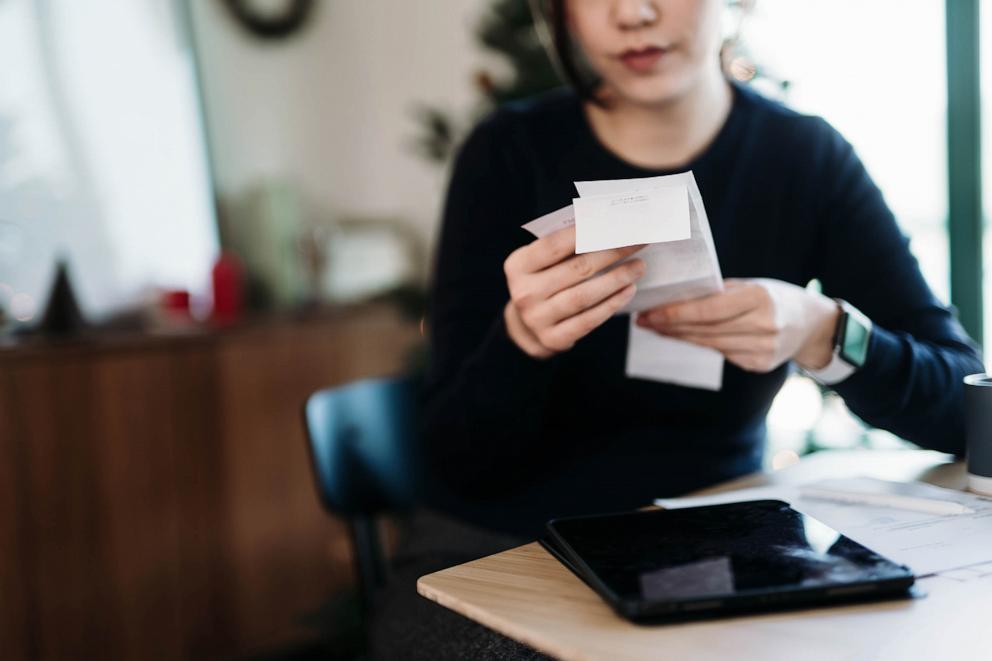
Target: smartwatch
<point x="851" y="338"/>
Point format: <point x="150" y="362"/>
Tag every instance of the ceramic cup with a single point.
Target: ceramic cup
<point x="978" y="430"/>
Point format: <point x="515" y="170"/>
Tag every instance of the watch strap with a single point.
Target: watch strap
<point x="839" y="369"/>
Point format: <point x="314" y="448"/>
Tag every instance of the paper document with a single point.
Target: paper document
<point x="675" y="270"/>
<point x="660" y="358"/>
<point x="926" y="543"/>
<point x="968" y="574"/>
<point x="615" y="220"/>
<point x="550" y="223"/>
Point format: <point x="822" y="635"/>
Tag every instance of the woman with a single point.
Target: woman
<point x="528" y="403"/>
<point x="529" y="413"/>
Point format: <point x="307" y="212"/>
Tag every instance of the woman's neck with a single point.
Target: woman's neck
<point x="665" y="136"/>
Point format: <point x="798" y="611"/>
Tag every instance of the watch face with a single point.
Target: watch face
<point x="854" y="343"/>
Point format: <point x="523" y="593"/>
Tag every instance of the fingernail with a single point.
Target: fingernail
<point x="639" y="268"/>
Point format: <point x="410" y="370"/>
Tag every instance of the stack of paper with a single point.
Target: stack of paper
<point x="667" y="214"/>
<point x="926" y="543"/>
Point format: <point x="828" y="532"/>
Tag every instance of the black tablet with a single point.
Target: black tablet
<point x="705" y="561"/>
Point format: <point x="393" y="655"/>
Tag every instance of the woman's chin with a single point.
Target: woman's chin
<point x="650" y="91"/>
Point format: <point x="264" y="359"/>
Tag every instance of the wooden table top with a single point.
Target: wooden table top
<point x="526" y="594"/>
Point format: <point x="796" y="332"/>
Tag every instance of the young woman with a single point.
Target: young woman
<point x="529" y="412"/>
<point x="529" y="408"/>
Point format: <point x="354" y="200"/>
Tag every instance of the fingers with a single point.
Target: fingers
<point x="752" y="353"/>
<point x="542" y="253"/>
<point x="730" y="304"/>
<point x="580" y="267"/>
<point x="736" y="344"/>
<point x="556" y="297"/>
<point x="522" y="335"/>
<point x="564" y="335"/>
<point x="752" y="362"/>
<point x="750" y="323"/>
<point x="585" y="295"/>
<point x="531" y="291"/>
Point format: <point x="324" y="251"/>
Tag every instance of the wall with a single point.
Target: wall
<point x="331" y="108"/>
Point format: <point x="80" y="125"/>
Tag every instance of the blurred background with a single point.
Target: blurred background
<point x="211" y="208"/>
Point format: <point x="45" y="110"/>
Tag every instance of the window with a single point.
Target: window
<point x="986" y="69"/>
<point x="101" y="159"/>
<point x="877" y="72"/>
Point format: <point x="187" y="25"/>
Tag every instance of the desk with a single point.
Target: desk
<point x="526" y="594"/>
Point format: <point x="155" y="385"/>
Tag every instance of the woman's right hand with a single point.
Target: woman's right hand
<point x="558" y="297"/>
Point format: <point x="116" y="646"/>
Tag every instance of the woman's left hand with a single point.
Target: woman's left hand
<point x="756" y="324"/>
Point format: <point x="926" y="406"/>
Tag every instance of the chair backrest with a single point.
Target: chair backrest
<point x="363" y="442"/>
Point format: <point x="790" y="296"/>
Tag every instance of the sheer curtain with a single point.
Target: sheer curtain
<point x="102" y="162"/>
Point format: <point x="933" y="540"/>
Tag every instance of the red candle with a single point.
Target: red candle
<point x="228" y="282"/>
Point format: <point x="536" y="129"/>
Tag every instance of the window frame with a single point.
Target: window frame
<point x="964" y="162"/>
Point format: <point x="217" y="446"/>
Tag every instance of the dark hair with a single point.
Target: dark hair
<point x="564" y="53"/>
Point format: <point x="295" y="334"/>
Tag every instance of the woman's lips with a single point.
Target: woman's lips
<point x="642" y="60"/>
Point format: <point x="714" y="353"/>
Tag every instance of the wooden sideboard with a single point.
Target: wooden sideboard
<point x="156" y="499"/>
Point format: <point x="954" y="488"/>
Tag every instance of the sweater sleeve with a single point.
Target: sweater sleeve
<point x="911" y="382"/>
<point x="484" y="397"/>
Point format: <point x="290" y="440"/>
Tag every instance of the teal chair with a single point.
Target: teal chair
<point x="364" y="448"/>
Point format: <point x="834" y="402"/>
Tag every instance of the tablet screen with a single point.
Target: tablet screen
<point x="722" y="550"/>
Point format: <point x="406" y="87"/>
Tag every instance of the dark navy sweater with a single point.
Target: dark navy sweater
<point x="519" y="440"/>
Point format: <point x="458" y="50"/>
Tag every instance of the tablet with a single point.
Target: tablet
<point x="720" y="559"/>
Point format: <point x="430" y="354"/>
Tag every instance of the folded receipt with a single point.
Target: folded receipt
<point x="666" y="213"/>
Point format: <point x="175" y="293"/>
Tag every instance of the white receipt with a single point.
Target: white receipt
<point x="926" y="543"/>
<point x="660" y="358"/>
<point x="615" y="220"/>
<point x="551" y="222"/>
<point x="675" y="270"/>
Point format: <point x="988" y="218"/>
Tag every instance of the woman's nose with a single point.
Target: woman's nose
<point x="633" y="14"/>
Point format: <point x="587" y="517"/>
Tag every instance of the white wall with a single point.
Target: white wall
<point x="330" y="109"/>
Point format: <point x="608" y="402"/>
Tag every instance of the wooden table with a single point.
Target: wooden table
<point x="526" y="594"/>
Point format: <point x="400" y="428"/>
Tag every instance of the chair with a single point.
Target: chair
<point x="363" y="439"/>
